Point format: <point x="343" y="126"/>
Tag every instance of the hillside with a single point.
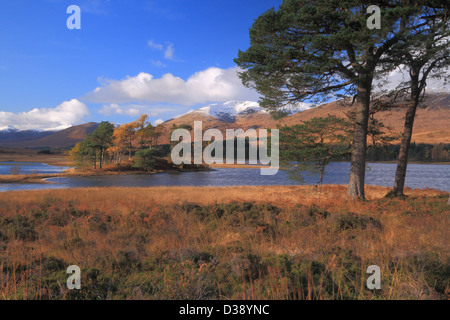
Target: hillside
<point x="431" y="124"/>
<point x="61" y="139"/>
<point x="14" y="136"/>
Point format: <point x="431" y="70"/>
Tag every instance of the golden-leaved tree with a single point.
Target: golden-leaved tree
<point x="124" y="138"/>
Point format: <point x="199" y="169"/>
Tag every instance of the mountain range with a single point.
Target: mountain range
<point x="13" y="138"/>
<point x="431" y="124"/>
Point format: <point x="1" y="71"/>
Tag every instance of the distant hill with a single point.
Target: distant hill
<point x="34" y="139"/>
<point x="431" y="124"/>
<point x="14" y="136"/>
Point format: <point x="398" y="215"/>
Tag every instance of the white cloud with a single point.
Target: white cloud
<point x="210" y="85"/>
<point x="135" y="110"/>
<point x="169" y="50"/>
<point x="114" y="108"/>
<point x="158" y="122"/>
<point x="155" y="45"/>
<point x="58" y="118"/>
<point x="157" y="64"/>
<point x="169" y="53"/>
<point x="401" y="74"/>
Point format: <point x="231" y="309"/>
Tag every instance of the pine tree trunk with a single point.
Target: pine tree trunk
<point x="101" y="158"/>
<point x="358" y="159"/>
<point x="402" y="161"/>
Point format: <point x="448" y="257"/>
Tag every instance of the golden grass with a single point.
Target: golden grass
<point x="140" y="243"/>
<point x="280" y="195"/>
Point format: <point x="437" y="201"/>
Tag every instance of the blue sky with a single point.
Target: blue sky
<point x="130" y="57"/>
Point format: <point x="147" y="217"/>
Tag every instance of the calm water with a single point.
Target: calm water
<point x="28" y="167"/>
<point x="382" y="174"/>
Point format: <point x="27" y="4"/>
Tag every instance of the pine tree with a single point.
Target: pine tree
<point x="310" y="50"/>
<point x="424" y="55"/>
<point x="88" y="148"/>
<point x="102" y="139"/>
<point x="310" y="146"/>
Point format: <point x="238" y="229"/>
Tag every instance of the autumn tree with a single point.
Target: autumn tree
<point x="74" y="156"/>
<point x="114" y="152"/>
<point x="83" y="153"/>
<point x="156" y="132"/>
<point x="311" y="50"/>
<point x="144" y="131"/>
<point x="124" y="137"/>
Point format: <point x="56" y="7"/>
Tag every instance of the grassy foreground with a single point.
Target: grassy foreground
<point x="223" y="243"/>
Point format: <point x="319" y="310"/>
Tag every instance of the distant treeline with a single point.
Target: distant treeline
<point x="417" y="152"/>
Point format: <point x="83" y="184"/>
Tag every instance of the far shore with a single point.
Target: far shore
<point x="60" y="159"/>
<point x="32" y="155"/>
<point x="40" y="178"/>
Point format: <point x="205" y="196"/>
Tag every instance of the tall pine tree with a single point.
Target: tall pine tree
<point x="102" y="139"/>
<point x="424" y="55"/>
<point x="312" y="50"/>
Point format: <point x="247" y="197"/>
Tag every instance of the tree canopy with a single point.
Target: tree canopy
<point x="310" y="146"/>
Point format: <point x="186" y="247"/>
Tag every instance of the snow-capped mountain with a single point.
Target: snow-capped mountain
<point x="8" y="129"/>
<point x="228" y="111"/>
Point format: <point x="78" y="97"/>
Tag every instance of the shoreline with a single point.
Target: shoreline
<point x="60" y="160"/>
<point x="20" y="155"/>
<point x="211" y="194"/>
<point x="40" y="178"/>
<point x="259" y="166"/>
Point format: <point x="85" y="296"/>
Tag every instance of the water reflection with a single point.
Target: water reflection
<point x="382" y="174"/>
<point x="9" y="168"/>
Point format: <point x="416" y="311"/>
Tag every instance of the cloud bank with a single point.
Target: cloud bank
<point x="401" y="75"/>
<point x="210" y="85"/>
<point x="114" y="108"/>
<point x="135" y="110"/>
<point x="61" y="117"/>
